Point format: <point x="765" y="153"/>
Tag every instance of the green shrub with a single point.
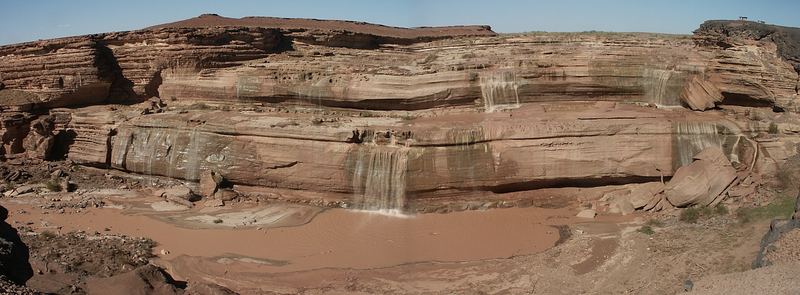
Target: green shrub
<point x="789" y="174"/>
<point x="721" y="210"/>
<point x="783" y="207"/>
<point x="773" y="128"/>
<point x="53" y="185"/>
<point x="646" y="229"/>
<point x="693" y="214"/>
<point x="654" y="223"/>
<point x="690" y="215"/>
<point x="9" y="184"/>
<point x="199" y="106"/>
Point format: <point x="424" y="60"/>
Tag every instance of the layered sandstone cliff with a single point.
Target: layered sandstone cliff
<point x="378" y="116"/>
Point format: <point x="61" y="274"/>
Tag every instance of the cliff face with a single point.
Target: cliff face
<point x="116" y="67"/>
<point x="378" y="116"/>
<point x="670" y="71"/>
<point x="727" y="34"/>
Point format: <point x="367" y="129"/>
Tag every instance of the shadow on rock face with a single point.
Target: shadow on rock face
<point x="14" y="253"/>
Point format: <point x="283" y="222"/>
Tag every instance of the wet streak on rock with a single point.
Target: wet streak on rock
<point x="169" y="152"/>
<point x="469" y="157"/>
<point x="689" y="138"/>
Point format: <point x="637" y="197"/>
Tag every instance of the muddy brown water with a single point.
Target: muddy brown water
<point x="338" y="238"/>
<point x="334" y="239"/>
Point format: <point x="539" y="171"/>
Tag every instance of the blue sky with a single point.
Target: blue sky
<point x="26" y="20"/>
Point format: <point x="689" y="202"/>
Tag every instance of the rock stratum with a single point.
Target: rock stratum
<point x="377" y="117"/>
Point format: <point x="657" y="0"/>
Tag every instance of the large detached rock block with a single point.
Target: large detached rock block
<point x="209" y="182"/>
<point x="39" y="142"/>
<point x="700" y="182"/>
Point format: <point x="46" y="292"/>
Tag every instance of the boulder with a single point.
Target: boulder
<point x="625" y="207"/>
<point x="643" y="193"/>
<point x="147" y="279"/>
<point x="700" y="182"/>
<point x="39" y="142"/>
<point x="632" y="197"/>
<point x="23" y="189"/>
<point x="64" y="184"/>
<point x="56" y="174"/>
<point x="209" y="183"/>
<point x="214" y="203"/>
<point x="615" y="195"/>
<point x="178" y="193"/>
<point x="226" y="195"/>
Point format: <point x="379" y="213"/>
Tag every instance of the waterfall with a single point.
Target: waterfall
<point x="312" y="95"/>
<point x="693" y="137"/>
<point x="193" y="155"/>
<point x="659" y="90"/>
<point x="379" y="179"/>
<point x="735" y="156"/>
<point x="500" y="91"/>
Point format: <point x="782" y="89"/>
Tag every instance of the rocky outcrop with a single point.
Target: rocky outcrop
<point x="501" y="72"/>
<point x="335" y="33"/>
<point x="54" y="73"/>
<point x="584" y="145"/>
<point x="123" y="65"/>
<point x="115" y="67"/>
<point x="39" y="142"/>
<point x="210" y="182"/>
<point x="727" y="34"/>
<point x="740" y="38"/>
<point x="14" y="265"/>
<point x="378" y="117"/>
<point x="14" y="127"/>
<point x="702" y="181"/>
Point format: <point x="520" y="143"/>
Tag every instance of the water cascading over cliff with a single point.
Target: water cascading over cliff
<point x="693" y="137"/>
<point x="663" y="87"/>
<point x="500" y="91"/>
<point x="379" y="179"/>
